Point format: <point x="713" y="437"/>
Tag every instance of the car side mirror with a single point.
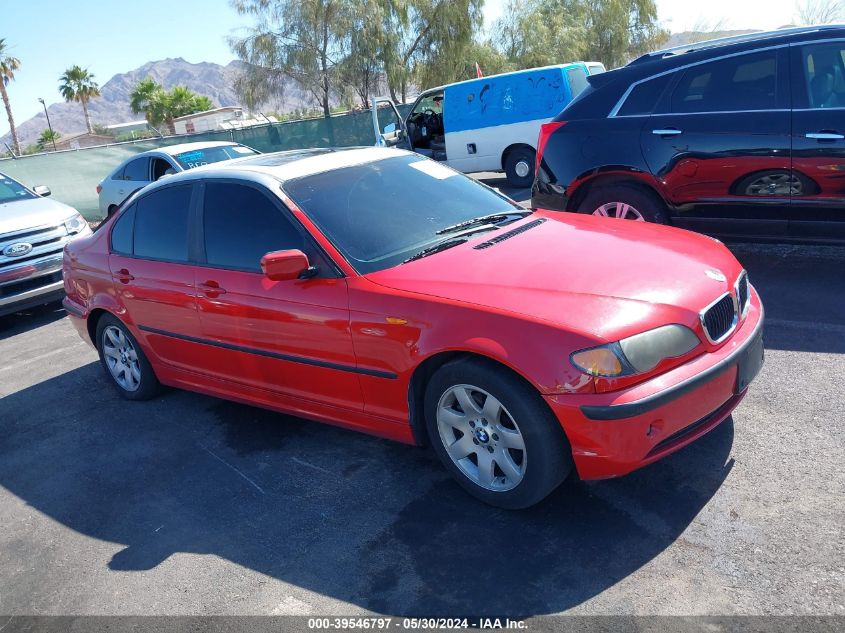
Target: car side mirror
<point x="42" y="190"/>
<point x="284" y="265"/>
<point x="389" y="128"/>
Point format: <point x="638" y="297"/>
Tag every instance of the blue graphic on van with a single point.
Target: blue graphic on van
<point x="528" y="95"/>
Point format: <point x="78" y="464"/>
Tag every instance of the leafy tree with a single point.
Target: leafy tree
<point x="8" y="66"/>
<point x="304" y="40"/>
<point x="143" y="95"/>
<point x="47" y="138"/>
<point x="422" y="32"/>
<point x="161" y="106"/>
<point x="77" y="84"/>
<point x="361" y="69"/>
<point x="540" y="32"/>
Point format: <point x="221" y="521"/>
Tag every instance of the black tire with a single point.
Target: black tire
<point x="148" y="385"/>
<point x="110" y="212"/>
<point x="547" y="457"/>
<point x="647" y="204"/>
<point x="514" y="161"/>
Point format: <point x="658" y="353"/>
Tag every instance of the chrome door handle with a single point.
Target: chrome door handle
<point x="825" y="136"/>
<point x="667" y="132"/>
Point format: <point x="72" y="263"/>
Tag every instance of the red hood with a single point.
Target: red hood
<point x="599" y="276"/>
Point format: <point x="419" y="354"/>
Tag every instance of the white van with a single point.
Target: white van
<point x="485" y="124"/>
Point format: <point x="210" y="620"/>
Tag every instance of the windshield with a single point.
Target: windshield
<point x="381" y="213"/>
<point x="11" y="190"/>
<point x="208" y="155"/>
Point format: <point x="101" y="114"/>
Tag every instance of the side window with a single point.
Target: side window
<point x="161" y="167"/>
<point x="577" y="78"/>
<point x="121" y="234"/>
<point x="744" y="82"/>
<point x="644" y="96"/>
<point x="241" y="225"/>
<point x="161" y="224"/>
<point x="138" y="169"/>
<point x="118" y="175"/>
<point x="824" y="74"/>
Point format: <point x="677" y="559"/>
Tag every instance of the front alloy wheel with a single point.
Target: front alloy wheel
<point x="494" y="433"/>
<point x="481" y="438"/>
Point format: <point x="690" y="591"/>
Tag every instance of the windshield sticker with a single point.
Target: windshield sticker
<point x="433" y="169"/>
<point x="242" y="150"/>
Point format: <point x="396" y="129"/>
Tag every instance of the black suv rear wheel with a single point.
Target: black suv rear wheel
<point x="625" y="202"/>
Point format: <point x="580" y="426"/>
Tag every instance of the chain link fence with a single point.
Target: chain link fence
<point x="73" y="175"/>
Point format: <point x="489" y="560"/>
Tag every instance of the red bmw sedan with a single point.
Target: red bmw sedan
<point x="384" y="292"/>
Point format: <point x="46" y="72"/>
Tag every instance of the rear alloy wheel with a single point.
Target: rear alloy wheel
<point x="123" y="360"/>
<point x="619" y="210"/>
<point x="624" y="202"/>
<point x="519" y="167"/>
<point x="494" y="434"/>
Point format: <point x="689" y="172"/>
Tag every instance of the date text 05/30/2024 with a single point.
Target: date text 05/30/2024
<point x="432" y="624"/>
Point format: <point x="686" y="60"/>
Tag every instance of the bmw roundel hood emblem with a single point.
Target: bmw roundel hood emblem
<point x="18" y="249"/>
<point x="716" y="275"/>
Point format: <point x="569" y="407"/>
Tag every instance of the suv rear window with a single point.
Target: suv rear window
<point x="161" y="224"/>
<point x="745" y="82"/>
<point x="644" y="96"/>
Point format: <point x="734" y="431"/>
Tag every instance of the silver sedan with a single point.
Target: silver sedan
<point x="141" y="169"/>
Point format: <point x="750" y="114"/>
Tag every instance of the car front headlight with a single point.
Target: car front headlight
<point x="636" y="354"/>
<point x="75" y="224"/>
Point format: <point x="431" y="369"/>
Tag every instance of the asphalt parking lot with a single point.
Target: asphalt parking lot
<point x="192" y="505"/>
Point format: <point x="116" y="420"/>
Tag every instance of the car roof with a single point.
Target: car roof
<point x="291" y="164"/>
<point x="787" y="34"/>
<point x="172" y="150"/>
<point x="512" y="73"/>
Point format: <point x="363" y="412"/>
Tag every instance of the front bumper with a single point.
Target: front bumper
<point x="612" y="434"/>
<point x="30" y="285"/>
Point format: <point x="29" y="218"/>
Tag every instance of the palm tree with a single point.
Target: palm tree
<point x="77" y="84"/>
<point x="8" y="66"/>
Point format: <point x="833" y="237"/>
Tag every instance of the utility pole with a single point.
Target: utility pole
<point x="52" y="136"/>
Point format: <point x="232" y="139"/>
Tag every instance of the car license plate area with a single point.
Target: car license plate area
<point x="749" y="364"/>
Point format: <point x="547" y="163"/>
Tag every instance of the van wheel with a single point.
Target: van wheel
<point x="121" y="356"/>
<point x="624" y="202"/>
<point x="519" y="167"/>
<point x="494" y="434"/>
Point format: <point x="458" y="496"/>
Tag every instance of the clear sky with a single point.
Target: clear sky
<point x="111" y="37"/>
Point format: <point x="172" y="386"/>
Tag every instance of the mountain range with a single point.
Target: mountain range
<point x="112" y="106"/>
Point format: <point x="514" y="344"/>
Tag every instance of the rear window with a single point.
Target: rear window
<point x="577" y="80"/>
<point x="121" y="234"/>
<point x="208" y="155"/>
<point x="644" y="96"/>
<point x="161" y="224"/>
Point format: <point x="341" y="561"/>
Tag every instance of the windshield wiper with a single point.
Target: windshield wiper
<point x="440" y="246"/>
<point x="484" y="219"/>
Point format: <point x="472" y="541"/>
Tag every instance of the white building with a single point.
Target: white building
<point x="225" y="118"/>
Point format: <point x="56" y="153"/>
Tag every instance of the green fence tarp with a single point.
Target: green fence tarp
<point x="73" y="175"/>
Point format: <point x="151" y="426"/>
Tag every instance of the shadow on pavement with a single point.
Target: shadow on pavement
<point x="356" y="518"/>
<point x="803" y="291"/>
<point x="20" y="322"/>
